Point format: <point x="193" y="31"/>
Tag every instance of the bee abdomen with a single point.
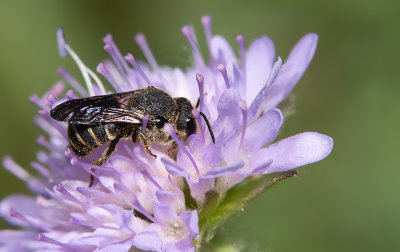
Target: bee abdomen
<point x="84" y="139"/>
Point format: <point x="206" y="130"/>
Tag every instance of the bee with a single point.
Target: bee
<point x="96" y="120"/>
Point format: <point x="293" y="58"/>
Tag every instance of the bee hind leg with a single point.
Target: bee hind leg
<point x="140" y="136"/>
<point x="104" y="157"/>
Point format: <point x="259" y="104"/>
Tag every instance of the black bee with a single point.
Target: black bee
<point x="94" y="121"/>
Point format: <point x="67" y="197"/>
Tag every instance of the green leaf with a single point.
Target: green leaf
<point x="235" y="199"/>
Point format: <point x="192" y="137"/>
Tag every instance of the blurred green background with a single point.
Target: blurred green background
<point x="347" y="202"/>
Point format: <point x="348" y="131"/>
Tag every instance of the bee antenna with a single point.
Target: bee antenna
<point x="208" y="126"/>
<point x="197" y="103"/>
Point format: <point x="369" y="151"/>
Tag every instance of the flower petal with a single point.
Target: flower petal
<point x="259" y="62"/>
<point x="296" y="64"/>
<point x="295" y="151"/>
<point x="221" y="171"/>
<point x="264" y="130"/>
<point x="222" y="52"/>
<point x="174" y="169"/>
<point x="229" y="113"/>
<point x="262" y="167"/>
<point x="148" y="241"/>
<point x="10" y="240"/>
<point x="191" y="220"/>
<point x="255" y="103"/>
<point x="33" y="183"/>
<point x="166" y="197"/>
<point x="185" y="244"/>
<point x="124" y="246"/>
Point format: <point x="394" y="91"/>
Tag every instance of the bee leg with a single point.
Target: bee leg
<point x="145" y="142"/>
<point x="172" y="151"/>
<point x="104" y="157"/>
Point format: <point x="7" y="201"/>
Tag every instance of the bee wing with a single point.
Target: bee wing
<point x="98" y="110"/>
<point x="112" y="115"/>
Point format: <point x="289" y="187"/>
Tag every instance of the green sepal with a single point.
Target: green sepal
<point x="235" y="199"/>
<point x="212" y="202"/>
<point x="190" y="202"/>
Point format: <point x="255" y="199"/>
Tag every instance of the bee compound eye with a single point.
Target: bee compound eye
<point x="159" y="122"/>
<point x="190" y="126"/>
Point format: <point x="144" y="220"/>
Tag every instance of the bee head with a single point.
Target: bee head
<point x="186" y="121"/>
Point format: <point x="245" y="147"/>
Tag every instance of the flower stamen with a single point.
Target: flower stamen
<point x="141" y="40"/>
<point x="131" y="59"/>
<point x="196" y="115"/>
<point x="72" y="81"/>
<point x="168" y="127"/>
<point x="206" y="22"/>
<point x="151" y="179"/>
<point x="240" y="40"/>
<point x="43" y="142"/>
<point x="101" y="68"/>
<point x="69" y="196"/>
<point x="44" y="238"/>
<point x="222" y="69"/>
<point x="41" y="169"/>
<point x="200" y="83"/>
<point x="30" y="221"/>
<point x="64" y="50"/>
<point x="145" y="120"/>
<point x="113" y="50"/>
<point x="187" y="31"/>
<point x="75" y="221"/>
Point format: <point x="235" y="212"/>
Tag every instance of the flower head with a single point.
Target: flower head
<point x="155" y="204"/>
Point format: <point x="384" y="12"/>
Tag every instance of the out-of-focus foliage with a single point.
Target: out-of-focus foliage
<point x="347" y="202"/>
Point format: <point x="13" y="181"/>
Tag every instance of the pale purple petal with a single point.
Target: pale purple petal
<point x="181" y="87"/>
<point x="148" y="241"/>
<point x="222" y="52"/>
<point x="174" y="169"/>
<point x="128" y="223"/>
<point x="263" y="93"/>
<point x="165" y="213"/>
<point x="184" y="245"/>
<point x="10" y="240"/>
<point x="33" y="183"/>
<point x="294" y="67"/>
<point x="196" y="146"/>
<point x="229" y="113"/>
<point x="101" y="238"/>
<point x="221" y="171"/>
<point x="238" y="81"/>
<point x="125" y="246"/>
<point x="191" y="220"/>
<point x="262" y="167"/>
<point x="199" y="188"/>
<point x="28" y="207"/>
<point x="259" y="62"/>
<point x="212" y="156"/>
<point x="264" y="130"/>
<point x="295" y="151"/>
<point x="166" y="197"/>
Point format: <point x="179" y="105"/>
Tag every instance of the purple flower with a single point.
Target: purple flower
<point x="142" y="202"/>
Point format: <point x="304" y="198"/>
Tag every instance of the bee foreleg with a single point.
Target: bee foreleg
<point x="145" y="142"/>
<point x="172" y="151"/>
<point x="104" y="157"/>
